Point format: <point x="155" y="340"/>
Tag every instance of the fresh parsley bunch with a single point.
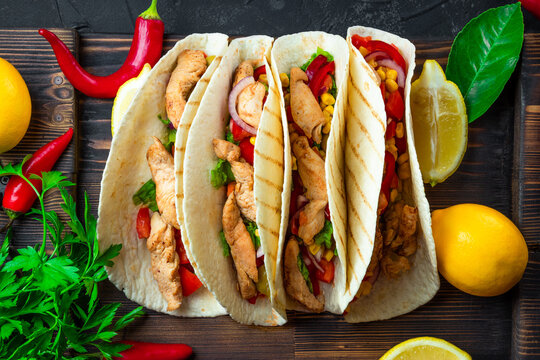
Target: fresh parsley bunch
<point x="49" y="300"/>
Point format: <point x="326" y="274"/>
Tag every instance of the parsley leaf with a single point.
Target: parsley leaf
<point x="221" y="174"/>
<point x="146" y="195"/>
<point x="304" y="271"/>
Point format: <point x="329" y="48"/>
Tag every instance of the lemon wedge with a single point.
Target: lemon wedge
<point x="425" y="348"/>
<point x="125" y="94"/>
<point x="440" y="123"/>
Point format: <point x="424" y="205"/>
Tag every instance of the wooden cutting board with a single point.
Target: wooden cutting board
<point x="54" y="110"/>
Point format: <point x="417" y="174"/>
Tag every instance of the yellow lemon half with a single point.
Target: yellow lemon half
<point x="440" y="123"/>
<point x="15" y="106"/>
<point x="425" y="348"/>
<point x="125" y="94"/>
<point x="479" y="250"/>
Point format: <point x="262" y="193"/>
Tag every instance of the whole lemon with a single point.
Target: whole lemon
<point x="15" y="106"/>
<point x="479" y="250"/>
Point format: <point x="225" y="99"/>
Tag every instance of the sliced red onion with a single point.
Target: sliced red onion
<point x="260" y="252"/>
<point x="315" y="262"/>
<point x="307" y="260"/>
<point x="242" y="84"/>
<point x="389" y="63"/>
<point x="318" y="255"/>
<point x="374" y="55"/>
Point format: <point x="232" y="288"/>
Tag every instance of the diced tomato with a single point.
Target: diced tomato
<point x="327" y="212"/>
<point x="259" y="71"/>
<point x="180" y="248"/>
<point x="358" y="40"/>
<point x="252" y="300"/>
<point x="190" y="281"/>
<point x="238" y="133"/>
<point x="327" y="84"/>
<point x="394" y="106"/>
<point x="328" y="275"/>
<point x="247" y="150"/>
<point x="391" y="130"/>
<point x="315" y="65"/>
<point x="316" y="84"/>
<point x="143" y="223"/>
<point x="259" y="261"/>
<point x="401" y="143"/>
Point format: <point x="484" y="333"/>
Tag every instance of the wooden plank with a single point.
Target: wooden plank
<point x="54" y="111"/>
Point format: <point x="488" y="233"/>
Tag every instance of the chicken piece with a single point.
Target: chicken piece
<point x="250" y="103"/>
<point x="311" y="170"/>
<point x="392" y="264"/>
<point x="243" y="70"/>
<point x="242" y="249"/>
<point x="243" y="173"/>
<point x="295" y="284"/>
<point x="190" y="66"/>
<point x="372" y="272"/>
<point x="165" y="261"/>
<point x="407" y="230"/>
<point x="161" y="165"/>
<point x="305" y="108"/>
<point x="392" y="218"/>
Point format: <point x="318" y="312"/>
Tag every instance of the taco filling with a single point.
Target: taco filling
<point x="156" y="218"/>
<point x="397" y="217"/>
<point x="234" y="169"/>
<point x="309" y="253"/>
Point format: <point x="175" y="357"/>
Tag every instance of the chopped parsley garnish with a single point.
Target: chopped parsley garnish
<point x="146" y="195"/>
<point x="320" y="51"/>
<point x="304" y="271"/>
<point x="221" y="174"/>
<point x="324" y="237"/>
<point x="225" y="244"/>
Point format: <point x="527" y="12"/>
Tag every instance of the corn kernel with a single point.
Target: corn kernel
<point x="382" y="75"/>
<point x="393" y="195"/>
<point x="399" y="130"/>
<point x="287" y="99"/>
<point x="263" y="78"/>
<point x="284" y="80"/>
<point x="326" y="128"/>
<point x="403" y="158"/>
<point x="314" y="248"/>
<point x="329" y="109"/>
<point x="372" y="63"/>
<point x="328" y="99"/>
<point x="294" y="167"/>
<point x="327" y="117"/>
<point x="322" y="105"/>
<point x="329" y="254"/>
<point x="391" y="74"/>
<point x="257" y="232"/>
<point x="252" y="140"/>
<point x="322" y="153"/>
<point x="209" y="59"/>
<point x="404" y="171"/>
<point x="391" y="85"/>
<point x="363" y="51"/>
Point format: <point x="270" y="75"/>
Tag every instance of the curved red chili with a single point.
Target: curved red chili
<point x="19" y="195"/>
<point x="145" y="48"/>
<point x="144" y="350"/>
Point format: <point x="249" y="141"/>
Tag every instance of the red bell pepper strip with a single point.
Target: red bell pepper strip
<point x="238" y="133"/>
<point x="258" y="72"/>
<point x="401" y="143"/>
<point x="391" y="130"/>
<point x="383" y="90"/>
<point x="184" y="260"/>
<point x="328" y="275"/>
<point x="317" y="82"/>
<point x="315" y="65"/>
<point x="377" y="45"/>
<point x="247" y="150"/>
<point x="190" y="281"/>
<point x="145" y="351"/>
<point x="145" y="48"/>
<point x="19" y="195"/>
<point x="143" y="223"/>
<point x="394" y="106"/>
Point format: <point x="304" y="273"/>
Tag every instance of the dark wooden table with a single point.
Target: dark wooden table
<point x="501" y="169"/>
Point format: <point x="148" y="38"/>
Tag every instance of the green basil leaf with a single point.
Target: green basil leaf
<point x="484" y="55"/>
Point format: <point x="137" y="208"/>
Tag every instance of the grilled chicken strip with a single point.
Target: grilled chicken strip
<point x="393" y="264"/>
<point x="161" y="165"/>
<point x="250" y="103"/>
<point x="305" y="109"/>
<point x="165" y="261"/>
<point x="242" y="249"/>
<point x="190" y="66"/>
<point x="243" y="70"/>
<point x="243" y="173"/>
<point x="295" y="284"/>
<point x="407" y="231"/>
<point x="311" y="170"/>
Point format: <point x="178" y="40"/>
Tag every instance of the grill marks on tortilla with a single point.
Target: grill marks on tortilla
<point x="357" y="121"/>
<point x="374" y="113"/>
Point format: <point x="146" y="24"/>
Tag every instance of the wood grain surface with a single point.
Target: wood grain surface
<point x="494" y="172"/>
<point x="54" y="109"/>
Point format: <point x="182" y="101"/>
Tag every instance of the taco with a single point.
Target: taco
<point x="392" y="263"/>
<point x="233" y="181"/>
<point x="311" y="70"/>
<point x="137" y="201"/>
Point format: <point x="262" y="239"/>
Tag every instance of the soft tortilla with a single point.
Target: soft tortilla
<point x="203" y="204"/>
<point x="294" y="50"/>
<point x="127" y="169"/>
<point x="364" y="156"/>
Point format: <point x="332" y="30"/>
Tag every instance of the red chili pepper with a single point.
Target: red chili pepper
<point x="390" y="170"/>
<point x="145" y="350"/>
<point x="143" y="223"/>
<point x="19" y="195"/>
<point x="391" y="130"/>
<point x="315" y="65"/>
<point x="328" y="275"/>
<point x="238" y="133"/>
<point x="259" y="71"/>
<point x="316" y="83"/>
<point x="190" y="281"/>
<point x="394" y="106"/>
<point x="145" y="48"/>
<point x="533" y="6"/>
<point x="247" y="150"/>
<point x="377" y="45"/>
